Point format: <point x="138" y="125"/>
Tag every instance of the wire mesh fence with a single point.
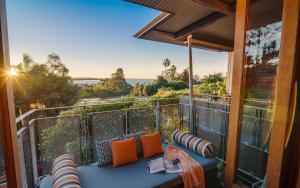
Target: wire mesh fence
<point x="25" y="157"/>
<point x="56" y="136"/>
<point x="48" y="137"/>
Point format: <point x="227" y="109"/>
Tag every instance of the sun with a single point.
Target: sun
<point x="12" y="72"/>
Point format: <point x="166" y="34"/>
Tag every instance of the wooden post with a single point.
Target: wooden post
<point x="8" y="132"/>
<point x="191" y="94"/>
<point x="237" y="93"/>
<point x="285" y="77"/>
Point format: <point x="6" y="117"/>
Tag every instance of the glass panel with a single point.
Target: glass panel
<point x="262" y="51"/>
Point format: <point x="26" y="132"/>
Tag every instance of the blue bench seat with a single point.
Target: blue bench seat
<point x="136" y="175"/>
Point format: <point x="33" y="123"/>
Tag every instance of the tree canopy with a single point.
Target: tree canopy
<point x="43" y="85"/>
<point x="110" y="87"/>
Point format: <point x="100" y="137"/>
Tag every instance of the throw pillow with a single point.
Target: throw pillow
<point x="151" y="144"/>
<point x="124" y="151"/>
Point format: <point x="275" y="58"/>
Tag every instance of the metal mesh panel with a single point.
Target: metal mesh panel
<point x="255" y="135"/>
<point x="169" y="120"/>
<point x="27" y="157"/>
<point x="211" y="125"/>
<point x="57" y="136"/>
<point x="107" y="125"/>
<point x="252" y="160"/>
<point x="141" y="119"/>
<point x="185" y="111"/>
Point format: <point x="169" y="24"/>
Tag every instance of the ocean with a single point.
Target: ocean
<point x="130" y="81"/>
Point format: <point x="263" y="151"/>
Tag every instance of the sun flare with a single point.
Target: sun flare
<point x="12" y="72"/>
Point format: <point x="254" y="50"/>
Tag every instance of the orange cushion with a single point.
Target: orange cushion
<point x="151" y="144"/>
<point x="124" y="151"/>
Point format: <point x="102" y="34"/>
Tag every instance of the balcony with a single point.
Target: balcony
<point x="45" y="134"/>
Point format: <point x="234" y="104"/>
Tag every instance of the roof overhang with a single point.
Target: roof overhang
<point x="210" y="22"/>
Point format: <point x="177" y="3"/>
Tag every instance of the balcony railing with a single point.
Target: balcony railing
<point x="48" y="133"/>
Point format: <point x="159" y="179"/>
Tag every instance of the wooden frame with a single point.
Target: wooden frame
<point x="238" y="86"/>
<point x="216" y="5"/>
<point x="8" y="132"/>
<point x="285" y="77"/>
<point x="210" y="45"/>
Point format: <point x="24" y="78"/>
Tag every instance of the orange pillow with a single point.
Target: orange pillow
<point x="124" y="152"/>
<point x="151" y="144"/>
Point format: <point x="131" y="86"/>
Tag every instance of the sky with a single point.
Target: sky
<point x="94" y="38"/>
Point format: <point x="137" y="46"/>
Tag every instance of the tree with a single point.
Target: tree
<point x="41" y="85"/>
<point x="166" y="63"/>
<point x="56" y="66"/>
<point x="184" y="76"/>
<point x="110" y="87"/>
<point x="149" y="90"/>
<point x="138" y="89"/>
<point x="118" y="82"/>
<point x="27" y="62"/>
<point x="171" y="74"/>
<point x="160" y="82"/>
<point x="213" y="78"/>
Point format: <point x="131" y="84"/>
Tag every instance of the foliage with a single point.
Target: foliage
<point x="165" y="93"/>
<point x="209" y="88"/>
<point x="68" y="136"/>
<point x="213" y="78"/>
<point x="177" y="85"/>
<point x="184" y="76"/>
<point x="138" y="90"/>
<point x="110" y="87"/>
<point x="160" y="82"/>
<point x="43" y="85"/>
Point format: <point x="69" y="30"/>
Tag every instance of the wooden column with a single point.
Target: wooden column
<point x="191" y="94"/>
<point x="238" y="86"/>
<point x="285" y="80"/>
<point x="8" y="133"/>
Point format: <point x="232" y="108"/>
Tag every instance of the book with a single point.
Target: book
<point x="160" y="165"/>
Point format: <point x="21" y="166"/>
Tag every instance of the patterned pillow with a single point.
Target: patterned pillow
<point x="193" y="143"/>
<point x="139" y="147"/>
<point x="104" y="152"/>
<point x="64" y="172"/>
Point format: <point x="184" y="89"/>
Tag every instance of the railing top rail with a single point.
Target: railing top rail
<point x="262" y="101"/>
<point x="57" y="117"/>
<point x="25" y="115"/>
<point x="19" y="132"/>
<point x="213" y="109"/>
<point x="108" y="102"/>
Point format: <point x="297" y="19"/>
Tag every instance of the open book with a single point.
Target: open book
<point x="161" y="165"/>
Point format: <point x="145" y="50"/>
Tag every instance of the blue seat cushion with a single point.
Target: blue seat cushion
<point x="46" y="182"/>
<point x="206" y="162"/>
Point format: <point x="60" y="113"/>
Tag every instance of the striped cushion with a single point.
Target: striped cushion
<point x="64" y="172"/>
<point x="196" y="144"/>
<point x="3" y="181"/>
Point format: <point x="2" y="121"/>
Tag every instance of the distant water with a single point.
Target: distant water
<point x="130" y="81"/>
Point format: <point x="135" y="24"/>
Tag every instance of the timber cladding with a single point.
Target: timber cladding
<point x="261" y="81"/>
